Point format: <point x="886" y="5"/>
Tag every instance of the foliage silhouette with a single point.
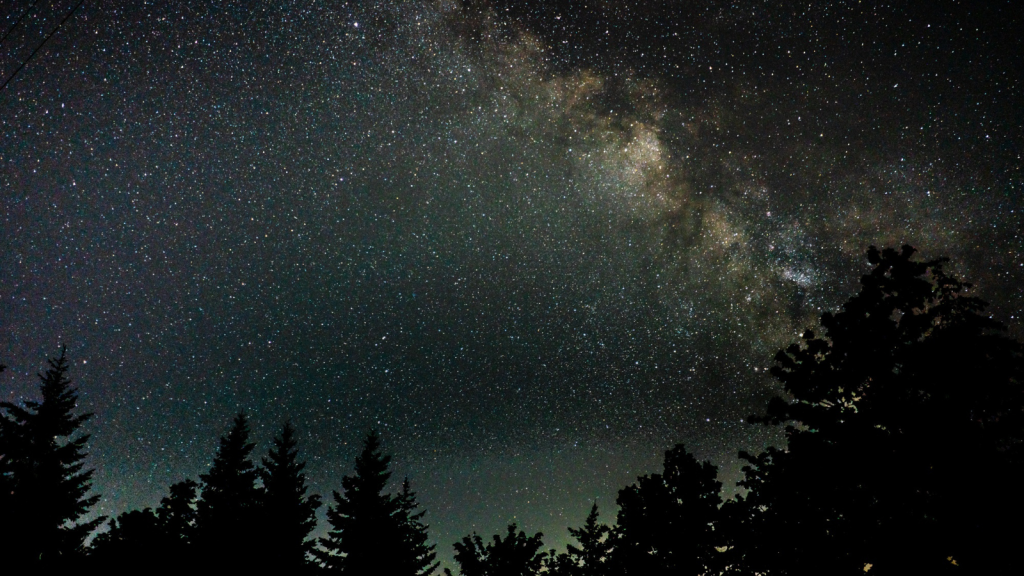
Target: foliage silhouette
<point x="179" y="517"/>
<point x="45" y="485"/>
<point x="899" y="417"/>
<point x="374" y="532"/>
<point x="516" y="555"/>
<point x="592" y="557"/>
<point x="289" y="515"/>
<point x="670" y="523"/>
<point x="159" y="540"/>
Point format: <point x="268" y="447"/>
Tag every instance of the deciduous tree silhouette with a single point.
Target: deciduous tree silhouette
<point x="591" y="557"/>
<point x="228" y="512"/>
<point x="374" y="532"/>
<point x="515" y="555"/>
<point x="900" y="416"/>
<point x="155" y="541"/>
<point x="45" y="483"/>
<point x="178" y="517"/>
<point x="670" y="523"/>
<point x="136" y="541"/>
<point x="289" y="514"/>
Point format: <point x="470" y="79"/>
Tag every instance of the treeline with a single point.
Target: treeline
<point x="905" y="434"/>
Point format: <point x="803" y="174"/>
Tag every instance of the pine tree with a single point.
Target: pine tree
<point x="289" y="515"/>
<point x="374" y="532"/>
<point x="667" y="522"/>
<point x="45" y="483"/>
<point x="592" y="556"/>
<point x="515" y="555"/>
<point x="228" y="511"/>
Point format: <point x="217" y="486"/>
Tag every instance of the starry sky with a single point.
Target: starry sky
<point x="534" y="244"/>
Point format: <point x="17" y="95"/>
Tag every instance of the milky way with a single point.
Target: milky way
<point x="534" y="244"/>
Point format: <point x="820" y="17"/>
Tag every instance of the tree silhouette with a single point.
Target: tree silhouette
<point x="592" y="557"/>
<point x="156" y="541"/>
<point x="135" y="541"/>
<point x="516" y="555"/>
<point x="373" y="532"/>
<point x="178" y="517"/>
<point x="228" y="511"/>
<point x="415" y="555"/>
<point x="668" y="523"/>
<point x="899" y="416"/>
<point x="289" y="515"/>
<point x="45" y="483"/>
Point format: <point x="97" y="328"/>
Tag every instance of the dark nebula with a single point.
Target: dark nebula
<point x="533" y="244"/>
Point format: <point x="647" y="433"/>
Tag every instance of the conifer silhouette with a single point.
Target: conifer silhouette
<point x="289" y="514"/>
<point x="228" y="511"/>
<point x="417" y="555"/>
<point x="44" y="480"/>
<point x="515" y="555"/>
<point x="374" y="532"/>
<point x="668" y="523"/>
<point x="592" y="556"/>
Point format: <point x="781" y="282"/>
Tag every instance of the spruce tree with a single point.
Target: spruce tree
<point x="372" y="531"/>
<point x="228" y="511"/>
<point x="289" y="515"/>
<point x="44" y="476"/>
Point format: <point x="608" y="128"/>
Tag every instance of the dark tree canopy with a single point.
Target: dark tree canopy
<point x="668" y="523"/>
<point x="900" y="414"/>
<point x="156" y="541"/>
<point x="43" y="475"/>
<point x="515" y="555"/>
<point x="372" y="531"/>
<point x="178" y="516"/>
<point x="289" y="514"/>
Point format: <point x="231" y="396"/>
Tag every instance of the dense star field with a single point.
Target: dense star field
<point x="534" y="244"/>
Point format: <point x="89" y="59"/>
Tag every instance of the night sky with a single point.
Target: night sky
<point x="533" y="244"/>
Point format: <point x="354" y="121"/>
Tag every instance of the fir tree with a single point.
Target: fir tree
<point x="45" y="483"/>
<point x="228" y="511"/>
<point x="289" y="515"/>
<point x="374" y="532"/>
<point x="592" y="556"/>
<point x="515" y="555"/>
